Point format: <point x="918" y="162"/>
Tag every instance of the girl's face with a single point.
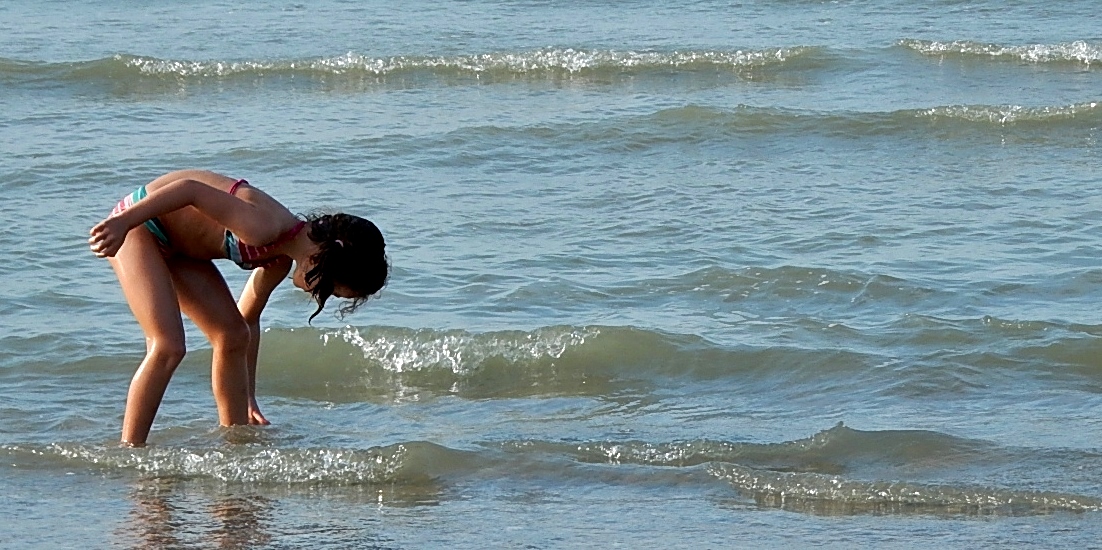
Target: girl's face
<point x="298" y="276"/>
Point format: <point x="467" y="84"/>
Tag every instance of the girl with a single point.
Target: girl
<point x="160" y="241"/>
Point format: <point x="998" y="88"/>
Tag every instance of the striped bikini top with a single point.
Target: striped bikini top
<point x="247" y="256"/>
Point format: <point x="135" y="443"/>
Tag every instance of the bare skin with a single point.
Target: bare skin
<point x="195" y="208"/>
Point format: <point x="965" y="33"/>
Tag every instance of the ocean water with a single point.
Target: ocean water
<point x="763" y="274"/>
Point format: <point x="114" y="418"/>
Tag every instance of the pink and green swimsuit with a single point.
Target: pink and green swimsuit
<point x="246" y="256"/>
<point x="251" y="257"/>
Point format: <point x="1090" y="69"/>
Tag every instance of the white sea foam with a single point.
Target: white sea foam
<point x="1008" y="114"/>
<point x="545" y="60"/>
<point x="1078" y="51"/>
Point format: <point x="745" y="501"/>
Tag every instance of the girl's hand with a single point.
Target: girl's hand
<point x="107" y="236"/>
<point x="256" y="418"/>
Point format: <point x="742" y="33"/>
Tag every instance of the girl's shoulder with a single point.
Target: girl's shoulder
<point x="213" y="179"/>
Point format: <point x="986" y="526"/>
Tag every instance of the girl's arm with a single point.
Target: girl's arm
<point x="248" y="221"/>
<point x="253" y="299"/>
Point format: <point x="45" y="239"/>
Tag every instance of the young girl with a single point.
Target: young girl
<point x="160" y="241"/>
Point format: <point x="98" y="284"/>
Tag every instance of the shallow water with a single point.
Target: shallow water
<point x="675" y="274"/>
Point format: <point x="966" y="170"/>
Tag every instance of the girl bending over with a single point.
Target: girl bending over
<point x="161" y="239"/>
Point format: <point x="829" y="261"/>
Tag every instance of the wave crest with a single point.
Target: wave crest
<point x="553" y="60"/>
<point x="1078" y="51"/>
<point x="830" y="451"/>
<point x="1012" y="114"/>
<point x="539" y="63"/>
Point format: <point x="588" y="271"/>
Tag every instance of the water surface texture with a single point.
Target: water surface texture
<point x="666" y="274"/>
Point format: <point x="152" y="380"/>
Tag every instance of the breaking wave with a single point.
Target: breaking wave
<point x="539" y="63"/>
<point x="411" y="462"/>
<point x="1077" y="52"/>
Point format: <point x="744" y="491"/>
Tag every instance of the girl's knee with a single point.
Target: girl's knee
<point x="167" y="351"/>
<point x="231" y="336"/>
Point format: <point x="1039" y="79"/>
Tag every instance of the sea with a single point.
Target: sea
<point x="764" y="274"/>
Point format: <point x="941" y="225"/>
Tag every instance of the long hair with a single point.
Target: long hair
<point x="352" y="253"/>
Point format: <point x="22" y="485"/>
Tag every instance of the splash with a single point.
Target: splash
<point x="461" y="352"/>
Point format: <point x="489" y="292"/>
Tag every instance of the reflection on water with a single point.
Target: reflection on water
<point x="178" y="513"/>
<point x="151" y="517"/>
<point x="167" y="514"/>
<point x="827" y="507"/>
<point x="240" y="521"/>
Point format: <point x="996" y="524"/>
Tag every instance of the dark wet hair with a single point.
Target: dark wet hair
<point x="351" y="252"/>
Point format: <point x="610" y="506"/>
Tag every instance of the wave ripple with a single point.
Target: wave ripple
<point x="833" y="495"/>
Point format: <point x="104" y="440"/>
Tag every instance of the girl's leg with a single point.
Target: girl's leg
<point x="147" y="284"/>
<point x="205" y="298"/>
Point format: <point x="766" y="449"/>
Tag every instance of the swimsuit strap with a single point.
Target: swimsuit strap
<point x="236" y="184"/>
<point x="290" y="233"/>
<point x="248" y="256"/>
